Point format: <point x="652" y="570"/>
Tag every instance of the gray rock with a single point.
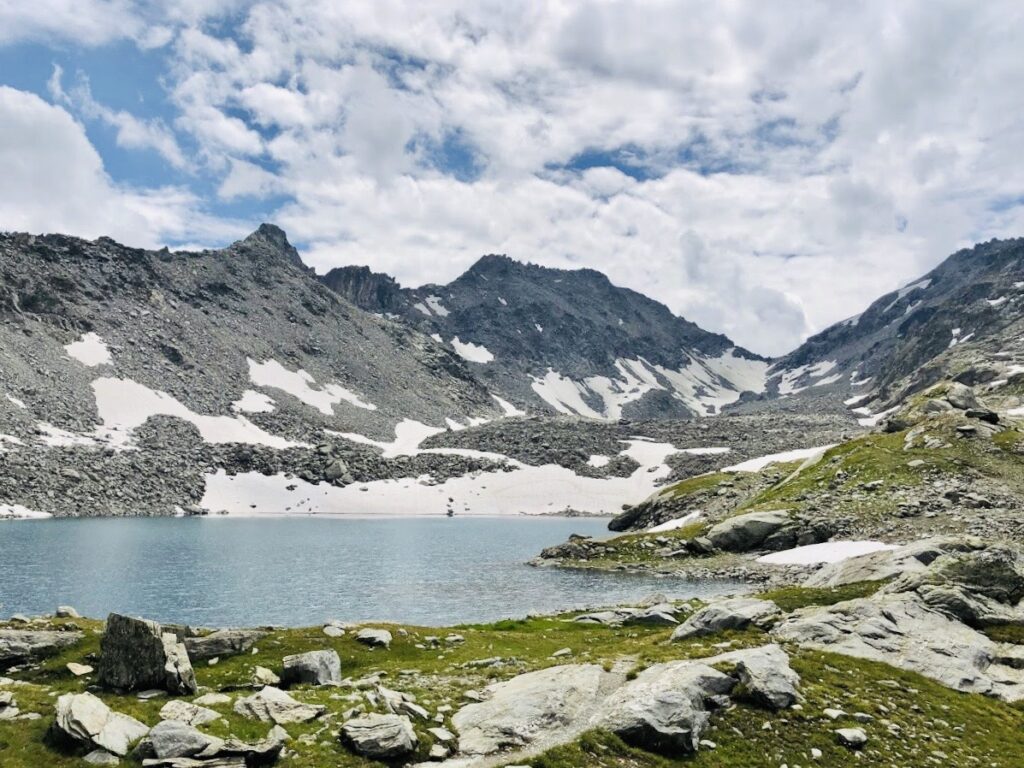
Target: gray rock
<point x="84" y="719"/>
<point x="375" y="638"/>
<point x="380" y="737"/>
<point x="854" y="738"/>
<point x="312" y="668"/>
<point x="186" y="712"/>
<point x="731" y="613"/>
<point x="101" y="757"/>
<point x="888" y="564"/>
<point x="665" y="708"/>
<point x="766" y="675"/>
<point x="743" y="533"/>
<point x="962" y="397"/>
<point x="20" y="645"/>
<point x="529" y="708"/>
<point x="272" y="705"/>
<point x="66" y="612"/>
<point x="135" y="654"/>
<point x="222" y="643"/>
<point x="173" y="738"/>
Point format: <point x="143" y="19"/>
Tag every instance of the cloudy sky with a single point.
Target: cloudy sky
<point x="764" y="169"/>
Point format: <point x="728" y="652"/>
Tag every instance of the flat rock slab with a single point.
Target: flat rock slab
<point x="731" y="613"/>
<point x="222" y="643"/>
<point x="20" y="645"/>
<point x="380" y="737"/>
<point x="272" y="705"/>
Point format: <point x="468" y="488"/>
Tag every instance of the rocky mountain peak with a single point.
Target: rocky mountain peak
<point x="269" y="241"/>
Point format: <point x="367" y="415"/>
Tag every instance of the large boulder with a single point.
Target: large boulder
<point x="272" y="705"/>
<point x="962" y="397"/>
<point x="375" y="638"/>
<point x="900" y="630"/>
<point x="746" y="532"/>
<point x="665" y="708"/>
<point x="85" y="720"/>
<point x="312" y="668"/>
<point x="20" y="645"/>
<point x="380" y="737"/>
<point x="222" y="643"/>
<point x="765" y="674"/>
<point x="731" y="613"/>
<point x="529" y="708"/>
<point x="136" y="654"/>
<point x="995" y="573"/>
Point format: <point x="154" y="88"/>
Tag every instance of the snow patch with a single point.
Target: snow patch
<point x="755" y="465"/>
<point x="90" y="350"/>
<point x="672" y="525"/>
<point x="597" y="461"/>
<point x="419" y="305"/>
<point x="474" y="353"/>
<point x="15" y="401"/>
<point x="997" y="302"/>
<point x="434" y="302"/>
<point x="828" y="552"/>
<point x="301" y="386"/>
<point x="507" y="408"/>
<point x="539" y="327"/>
<point x="125" y="405"/>
<point x="18" y="512"/>
<point x="790" y="380"/>
<point x="252" y="401"/>
<point x="55" y="437"/>
<point x="503" y="302"/>
<point x="9" y="440"/>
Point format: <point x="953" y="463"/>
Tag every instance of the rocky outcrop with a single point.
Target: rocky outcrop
<point x="312" y="668"/>
<point x="380" y="737"/>
<point x="136" y="654"/>
<point x="732" y="613"/>
<point x="899" y="629"/>
<point x="20" y="645"/>
<point x="765" y="675"/>
<point x="85" y="720"/>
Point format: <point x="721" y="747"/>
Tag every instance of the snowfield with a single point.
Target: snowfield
<point x="524" y="490"/>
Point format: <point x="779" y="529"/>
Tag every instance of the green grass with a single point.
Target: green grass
<point x="991" y="730"/>
<point x="791" y="598"/>
<point x="937" y="726"/>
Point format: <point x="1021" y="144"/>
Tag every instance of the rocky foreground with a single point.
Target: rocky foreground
<point x="910" y="656"/>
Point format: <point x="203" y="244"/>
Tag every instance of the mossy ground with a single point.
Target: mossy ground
<point x="932" y="721"/>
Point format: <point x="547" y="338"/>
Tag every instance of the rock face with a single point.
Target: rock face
<point x="135" y="654"/>
<point x="731" y="613"/>
<point x="272" y="705"/>
<point x="530" y="707"/>
<point x="380" y="737"/>
<point x="746" y="532"/>
<point x="665" y="709"/>
<point x="900" y="630"/>
<point x="84" y="719"/>
<point x="21" y="645"/>
<point x="888" y="564"/>
<point x="537" y="326"/>
<point x="222" y="643"/>
<point x="313" y="668"/>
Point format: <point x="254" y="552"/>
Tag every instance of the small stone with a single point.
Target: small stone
<point x="854" y="738"/>
<point x="78" y="670"/>
<point x="375" y="638"/>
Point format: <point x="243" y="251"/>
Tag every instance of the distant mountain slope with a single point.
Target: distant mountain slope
<point x="570" y="342"/>
<point x="96" y="337"/>
<point x="964" y="319"/>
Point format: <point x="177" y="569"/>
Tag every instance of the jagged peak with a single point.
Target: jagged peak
<point x="271" y="241"/>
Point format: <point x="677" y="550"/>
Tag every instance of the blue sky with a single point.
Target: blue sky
<point x="762" y="170"/>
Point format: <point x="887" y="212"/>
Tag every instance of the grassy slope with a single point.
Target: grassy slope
<point x="991" y="730"/>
